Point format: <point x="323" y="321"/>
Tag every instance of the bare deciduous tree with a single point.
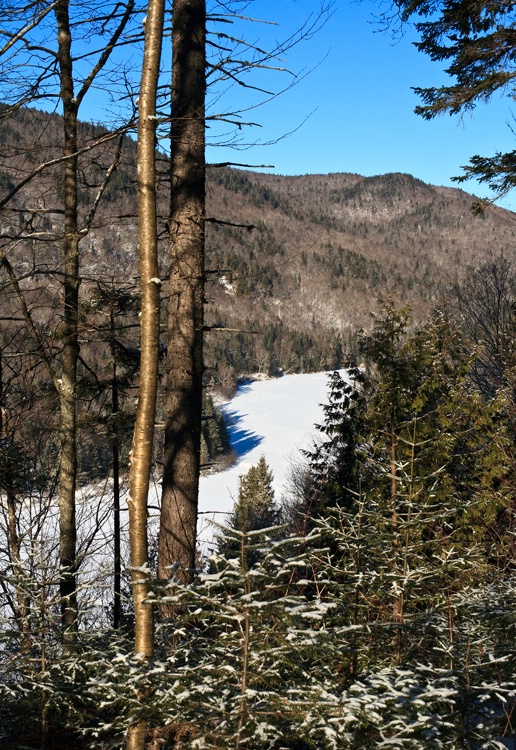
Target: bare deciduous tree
<point x="48" y="66"/>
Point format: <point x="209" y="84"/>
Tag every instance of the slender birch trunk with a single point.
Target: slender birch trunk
<point x="177" y="542"/>
<point x="141" y="456"/>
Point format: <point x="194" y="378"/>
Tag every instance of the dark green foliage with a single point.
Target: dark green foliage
<point x="254" y="510"/>
<point x="345" y="265"/>
<point x="255" y="507"/>
<point x="252" y="269"/>
<point x="237" y="181"/>
<point x="425" y="410"/>
<point x="486" y="315"/>
<point x="476" y="40"/>
<point x="16" y="472"/>
<point x="214" y="436"/>
<point x="273" y="349"/>
<point x="335" y="471"/>
<point x="415" y="433"/>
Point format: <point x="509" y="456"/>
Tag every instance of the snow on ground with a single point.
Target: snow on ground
<point x="274" y="417"/>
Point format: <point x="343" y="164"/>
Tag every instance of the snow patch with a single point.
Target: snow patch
<point x="230" y="288"/>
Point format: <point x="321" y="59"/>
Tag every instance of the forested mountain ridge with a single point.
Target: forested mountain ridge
<point x="299" y="262"/>
<point x="329" y="246"/>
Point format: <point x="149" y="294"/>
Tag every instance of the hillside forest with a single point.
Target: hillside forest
<point x="372" y="605"/>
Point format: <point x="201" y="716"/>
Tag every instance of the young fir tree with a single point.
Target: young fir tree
<point x="253" y="511"/>
<point x="418" y="422"/>
<point x="425" y="413"/>
<point x="255" y="507"/>
<point x="334" y="476"/>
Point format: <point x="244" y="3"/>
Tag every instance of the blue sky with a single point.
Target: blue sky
<point x="359" y="103"/>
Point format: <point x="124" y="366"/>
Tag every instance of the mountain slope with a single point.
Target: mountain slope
<point x="297" y="265"/>
<point x="328" y="247"/>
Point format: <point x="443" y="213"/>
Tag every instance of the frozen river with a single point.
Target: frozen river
<point x="275" y="418"/>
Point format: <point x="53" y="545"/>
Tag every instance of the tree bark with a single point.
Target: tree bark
<point x="70" y="347"/>
<point x="141" y="456"/>
<point x="183" y="404"/>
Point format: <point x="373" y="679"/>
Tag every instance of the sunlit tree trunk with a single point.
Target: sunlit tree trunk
<point x="183" y="405"/>
<point x="150" y="301"/>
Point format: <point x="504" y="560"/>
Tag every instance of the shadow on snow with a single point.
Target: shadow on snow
<point x="242" y="441"/>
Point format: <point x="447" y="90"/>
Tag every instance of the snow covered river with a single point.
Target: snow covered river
<point x="275" y="418"/>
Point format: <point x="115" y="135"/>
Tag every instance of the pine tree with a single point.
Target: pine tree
<point x="425" y="413"/>
<point x="422" y="461"/>
<point x="215" y="441"/>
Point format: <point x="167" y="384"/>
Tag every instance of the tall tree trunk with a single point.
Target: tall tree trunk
<point x="70" y="346"/>
<point x="141" y="456"/>
<point x="393" y="449"/>
<point x="177" y="541"/>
